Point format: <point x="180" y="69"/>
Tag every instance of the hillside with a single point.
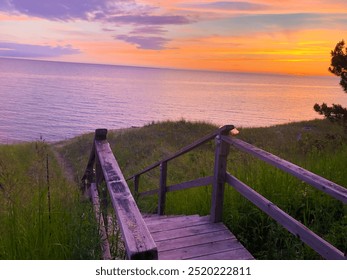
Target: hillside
<point x="317" y="145"/>
<point x="35" y="199"/>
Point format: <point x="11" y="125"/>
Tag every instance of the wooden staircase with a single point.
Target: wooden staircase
<point x="191" y="237"/>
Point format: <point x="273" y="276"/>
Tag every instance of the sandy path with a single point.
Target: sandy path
<point x="65" y="166"/>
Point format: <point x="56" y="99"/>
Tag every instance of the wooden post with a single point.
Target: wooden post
<point x="105" y="246"/>
<point x="100" y="135"/>
<point x="162" y="188"/>
<point x="221" y="154"/>
<point x="136" y="186"/>
<point x="88" y="176"/>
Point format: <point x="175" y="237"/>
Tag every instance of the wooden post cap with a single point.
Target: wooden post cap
<point x="225" y="129"/>
<point x="100" y="134"/>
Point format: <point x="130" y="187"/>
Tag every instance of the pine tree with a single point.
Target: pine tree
<point x="336" y="113"/>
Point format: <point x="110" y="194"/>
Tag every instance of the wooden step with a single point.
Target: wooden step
<point x="194" y="237"/>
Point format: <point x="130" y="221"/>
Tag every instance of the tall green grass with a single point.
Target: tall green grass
<point x="42" y="215"/>
<point x="317" y="145"/>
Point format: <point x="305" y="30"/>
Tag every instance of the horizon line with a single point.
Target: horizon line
<point x="167" y="68"/>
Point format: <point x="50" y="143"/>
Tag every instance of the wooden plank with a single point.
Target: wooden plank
<point x="220" y="165"/>
<point x="150" y="192"/>
<point x="238" y="254"/>
<point x="162" y="188"/>
<point x="164" y="225"/>
<point x="194" y="240"/>
<point x="105" y="246"/>
<point x="136" y="185"/>
<point x="88" y="174"/>
<point x="321" y="246"/>
<point x="188" y="231"/>
<point x="194" y="236"/>
<point x="200" y="250"/>
<point x="314" y="180"/>
<point x="204" y="181"/>
<point x="223" y="129"/>
<point x="172" y="219"/>
<point x="99" y="178"/>
<point x="138" y="241"/>
<point x="154" y="218"/>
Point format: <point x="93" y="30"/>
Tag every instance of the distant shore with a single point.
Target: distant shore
<point x="120" y="130"/>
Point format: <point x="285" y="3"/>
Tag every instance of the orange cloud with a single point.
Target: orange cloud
<point x="259" y="6"/>
<point x="295" y="52"/>
<point x="303" y="53"/>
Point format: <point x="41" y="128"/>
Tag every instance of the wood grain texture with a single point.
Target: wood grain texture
<point x="154" y="217"/>
<point x="204" y="181"/>
<point x="200" y="250"/>
<point x="162" y="188"/>
<point x="168" y="224"/>
<point x="150" y="192"/>
<point x="224" y="129"/>
<point x="314" y="180"/>
<point x="220" y="165"/>
<point x="325" y="249"/>
<point x="190" y="237"/>
<point x="194" y="240"/>
<point x="238" y="254"/>
<point x="105" y="246"/>
<point x="138" y="241"/>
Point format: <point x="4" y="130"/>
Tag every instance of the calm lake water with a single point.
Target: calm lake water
<point x="61" y="100"/>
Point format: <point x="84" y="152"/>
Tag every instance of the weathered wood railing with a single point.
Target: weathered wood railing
<point x="137" y="239"/>
<point x="221" y="176"/>
<point x="195" y="183"/>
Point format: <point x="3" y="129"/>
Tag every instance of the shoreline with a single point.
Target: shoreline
<point x="56" y="142"/>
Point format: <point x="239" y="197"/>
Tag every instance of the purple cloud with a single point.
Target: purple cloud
<point x="57" y="10"/>
<point x="111" y="13"/>
<point x="148" y="30"/>
<point x="150" y="20"/>
<point x="108" y="30"/>
<point x="119" y="11"/>
<point x="34" y="51"/>
<point x="145" y="26"/>
<point x="228" y="5"/>
<point x="143" y="42"/>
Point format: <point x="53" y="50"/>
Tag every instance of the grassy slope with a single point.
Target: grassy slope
<point x="31" y="227"/>
<point x="316" y="145"/>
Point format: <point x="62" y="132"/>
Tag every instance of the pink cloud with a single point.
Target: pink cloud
<point x="145" y="42"/>
<point x="228" y="5"/>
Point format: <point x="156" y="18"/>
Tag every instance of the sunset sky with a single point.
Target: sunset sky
<point x="292" y="36"/>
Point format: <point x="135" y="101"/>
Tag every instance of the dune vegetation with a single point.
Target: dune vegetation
<point x="42" y="214"/>
<point x="318" y="146"/>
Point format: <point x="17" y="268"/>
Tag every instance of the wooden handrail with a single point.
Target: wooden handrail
<point x="204" y="181"/>
<point x="221" y="176"/>
<point x="137" y="238"/>
<point x="223" y="129"/>
<point x="138" y="241"/>
<point x="322" y="247"/>
<point x="314" y="180"/>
